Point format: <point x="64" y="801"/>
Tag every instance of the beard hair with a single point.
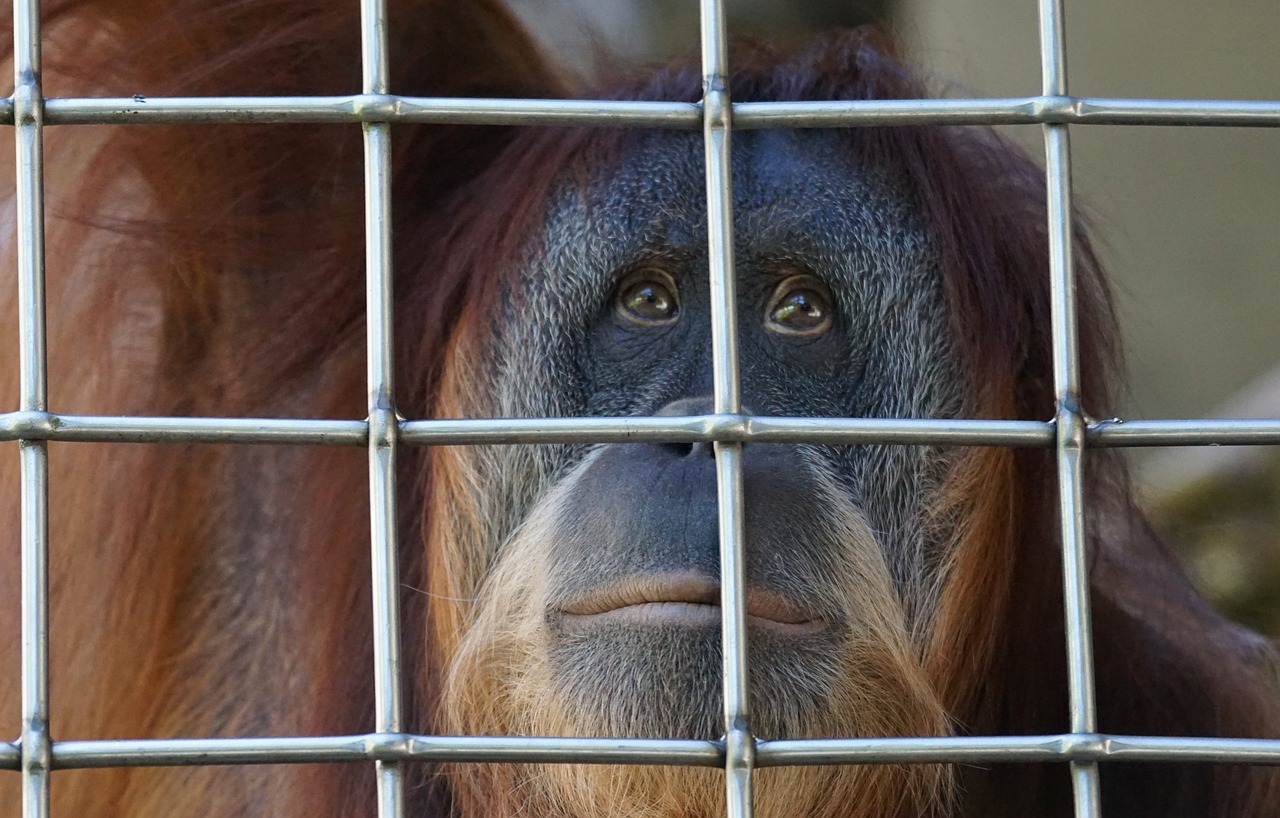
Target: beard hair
<point x="514" y="674"/>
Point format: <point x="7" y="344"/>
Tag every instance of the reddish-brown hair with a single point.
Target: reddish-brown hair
<point x="218" y="270"/>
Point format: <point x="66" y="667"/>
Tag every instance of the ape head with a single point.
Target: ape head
<point x="596" y="595"/>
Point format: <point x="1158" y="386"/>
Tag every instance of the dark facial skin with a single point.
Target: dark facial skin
<point x="840" y="314"/>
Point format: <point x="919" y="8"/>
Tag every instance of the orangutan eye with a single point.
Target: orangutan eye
<point x="648" y="297"/>
<point x="801" y="305"/>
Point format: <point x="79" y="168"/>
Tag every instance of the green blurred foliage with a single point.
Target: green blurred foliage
<point x="1227" y="528"/>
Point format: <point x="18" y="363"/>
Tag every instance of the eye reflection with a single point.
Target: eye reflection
<point x="648" y="297"/>
<point x="801" y="305"/>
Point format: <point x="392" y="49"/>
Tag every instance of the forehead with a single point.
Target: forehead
<point x="794" y="192"/>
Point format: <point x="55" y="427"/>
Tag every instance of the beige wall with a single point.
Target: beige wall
<point x="1189" y="218"/>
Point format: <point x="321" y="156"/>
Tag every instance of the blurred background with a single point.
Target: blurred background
<point x="1188" y="219"/>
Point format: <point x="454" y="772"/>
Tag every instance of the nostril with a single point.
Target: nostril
<point x="678" y="449"/>
<point x="696" y="449"/>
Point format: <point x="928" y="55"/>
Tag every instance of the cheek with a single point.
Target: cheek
<point x="800" y="377"/>
<point x="630" y="370"/>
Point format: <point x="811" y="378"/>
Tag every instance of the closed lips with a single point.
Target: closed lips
<point x="683" y="600"/>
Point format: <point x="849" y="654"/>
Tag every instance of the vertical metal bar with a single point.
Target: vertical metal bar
<point x="28" y="104"/>
<point x="1070" y="419"/>
<point x="739" y="743"/>
<point x="716" y="129"/>
<point x="383" y="429"/>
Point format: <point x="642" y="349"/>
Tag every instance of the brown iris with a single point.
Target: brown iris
<point x="801" y="305"/>
<point x="648" y="297"/>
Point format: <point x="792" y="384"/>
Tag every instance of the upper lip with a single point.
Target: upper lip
<point x="694" y="589"/>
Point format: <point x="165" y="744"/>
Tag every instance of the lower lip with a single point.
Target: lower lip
<point x="683" y="614"/>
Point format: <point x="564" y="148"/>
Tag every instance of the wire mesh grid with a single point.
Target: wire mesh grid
<point x="34" y="756"/>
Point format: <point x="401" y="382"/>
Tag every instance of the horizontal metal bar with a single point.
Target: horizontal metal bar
<point x="1243" y="113"/>
<point x="678" y="115"/>
<point x="1018" y="749"/>
<point x="836" y="114"/>
<point x="1157" y="748"/>
<point x="695" y="428"/>
<point x="729" y="428"/>
<point x="687" y="429"/>
<point x="1009" y="111"/>
<point x="90" y="429"/>
<point x="1202" y="432"/>
<point x="374" y="108"/>
<point x="381" y="747"/>
<point x="797" y="752"/>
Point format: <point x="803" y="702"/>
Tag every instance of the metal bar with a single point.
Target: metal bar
<point x="1071" y="747"/>
<point x="375" y="107"/>
<point x="1203" y="432"/>
<point x="1068" y="747"/>
<point x="387" y="747"/>
<point x="1070" y="419"/>
<point x="383" y="428"/>
<point x="28" y="113"/>
<point x="35" y="741"/>
<point x="29" y="205"/>
<point x="728" y="429"/>
<point x="88" y="429"/>
<point x="1070" y="435"/>
<point x="1114" y="433"/>
<point x="717" y="130"/>
<point x="1058" y="109"/>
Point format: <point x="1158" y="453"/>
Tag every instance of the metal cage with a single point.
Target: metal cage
<point x="35" y="756"/>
